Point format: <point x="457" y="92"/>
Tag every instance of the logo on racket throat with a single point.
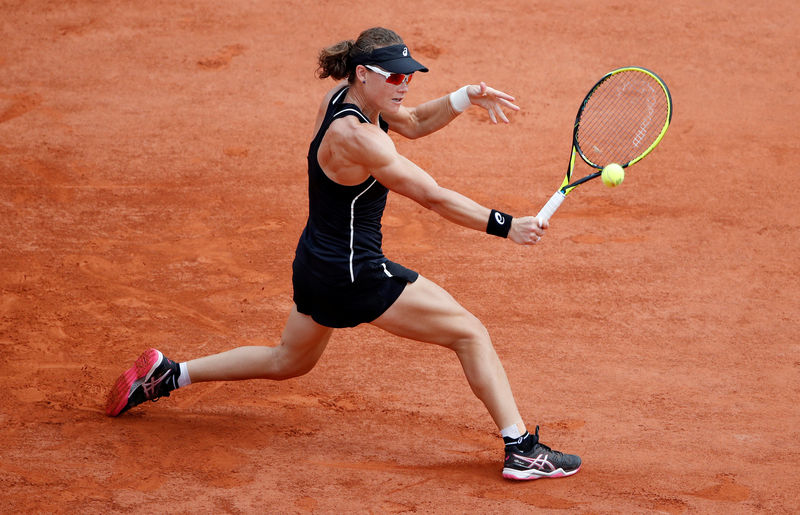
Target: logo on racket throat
<point x="500" y="219"/>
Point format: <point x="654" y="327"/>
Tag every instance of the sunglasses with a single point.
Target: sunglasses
<point x="392" y="78"/>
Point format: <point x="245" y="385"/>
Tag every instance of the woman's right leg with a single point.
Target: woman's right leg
<point x="426" y="312"/>
<point x="302" y="343"/>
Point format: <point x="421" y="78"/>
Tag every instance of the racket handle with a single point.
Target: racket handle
<point x="547" y="211"/>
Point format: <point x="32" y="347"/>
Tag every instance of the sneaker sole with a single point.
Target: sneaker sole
<point x="529" y="475"/>
<point x="140" y="372"/>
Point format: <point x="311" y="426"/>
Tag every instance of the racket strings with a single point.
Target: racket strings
<point x="613" y="136"/>
<point x="619" y="138"/>
<point x="619" y="131"/>
<point x="621" y="118"/>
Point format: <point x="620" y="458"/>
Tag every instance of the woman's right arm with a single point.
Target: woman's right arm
<point x="377" y="152"/>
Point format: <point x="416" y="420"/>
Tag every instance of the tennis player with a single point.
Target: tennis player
<point x="341" y="277"/>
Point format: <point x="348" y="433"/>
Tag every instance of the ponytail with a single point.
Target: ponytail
<point x="334" y="61"/>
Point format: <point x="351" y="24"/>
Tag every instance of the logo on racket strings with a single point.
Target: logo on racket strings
<point x="647" y="91"/>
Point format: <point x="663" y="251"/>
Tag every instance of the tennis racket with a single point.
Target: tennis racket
<point x="621" y="120"/>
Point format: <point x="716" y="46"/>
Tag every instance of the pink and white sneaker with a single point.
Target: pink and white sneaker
<point x="152" y="376"/>
<point x="528" y="459"/>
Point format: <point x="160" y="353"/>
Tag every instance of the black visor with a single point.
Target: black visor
<point x="395" y="59"/>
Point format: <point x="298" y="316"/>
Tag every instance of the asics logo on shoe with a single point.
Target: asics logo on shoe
<point x="539" y="462"/>
<point x="150" y="385"/>
<point x="499" y="218"/>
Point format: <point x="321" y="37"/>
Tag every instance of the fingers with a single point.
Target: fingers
<point x="501" y="114"/>
<point x="495" y="112"/>
<point x="507" y="103"/>
<point x="529" y="239"/>
<point x="486" y="90"/>
<point x="494" y="101"/>
<point x="500" y="97"/>
<point x="534" y="239"/>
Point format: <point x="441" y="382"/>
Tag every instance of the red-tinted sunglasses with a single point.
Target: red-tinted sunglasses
<point x="392" y="78"/>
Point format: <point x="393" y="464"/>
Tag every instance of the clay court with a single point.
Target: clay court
<point x="153" y="168"/>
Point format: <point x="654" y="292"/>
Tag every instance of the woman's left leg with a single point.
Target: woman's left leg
<point x="302" y="344"/>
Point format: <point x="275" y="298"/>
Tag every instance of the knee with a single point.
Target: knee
<point x="471" y="337"/>
<point x="288" y="372"/>
<point x="289" y="365"/>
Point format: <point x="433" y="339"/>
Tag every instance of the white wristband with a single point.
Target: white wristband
<point x="459" y="99"/>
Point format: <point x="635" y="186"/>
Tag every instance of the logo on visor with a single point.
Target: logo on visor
<point x="405" y="51"/>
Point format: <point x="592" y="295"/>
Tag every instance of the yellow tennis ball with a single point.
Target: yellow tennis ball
<point x="613" y="175"/>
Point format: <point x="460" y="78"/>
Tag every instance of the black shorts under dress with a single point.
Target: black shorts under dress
<point x="349" y="305"/>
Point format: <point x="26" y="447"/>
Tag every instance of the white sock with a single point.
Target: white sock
<point x="183" y="378"/>
<point x="511" y="431"/>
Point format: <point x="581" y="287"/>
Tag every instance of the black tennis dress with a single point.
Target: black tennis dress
<point x="340" y="276"/>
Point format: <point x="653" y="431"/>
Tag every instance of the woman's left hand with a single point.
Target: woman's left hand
<point x="492" y="100"/>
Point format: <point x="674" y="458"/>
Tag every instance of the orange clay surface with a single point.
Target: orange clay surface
<point x="152" y="161"/>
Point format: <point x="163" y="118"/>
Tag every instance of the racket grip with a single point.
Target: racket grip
<point x="547" y="211"/>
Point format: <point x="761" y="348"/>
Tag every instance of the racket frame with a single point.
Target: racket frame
<point x="566" y="185"/>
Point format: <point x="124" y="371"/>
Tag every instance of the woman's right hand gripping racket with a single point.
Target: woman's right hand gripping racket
<point x="621" y="120"/>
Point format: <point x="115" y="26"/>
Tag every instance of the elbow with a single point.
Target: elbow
<point x="409" y="132"/>
<point x="416" y="134"/>
<point x="433" y="199"/>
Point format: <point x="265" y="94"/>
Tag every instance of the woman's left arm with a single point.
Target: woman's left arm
<point x="415" y="122"/>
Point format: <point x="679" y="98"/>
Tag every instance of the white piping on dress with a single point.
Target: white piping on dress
<point x="352" y="230"/>
<point x="359" y="113"/>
